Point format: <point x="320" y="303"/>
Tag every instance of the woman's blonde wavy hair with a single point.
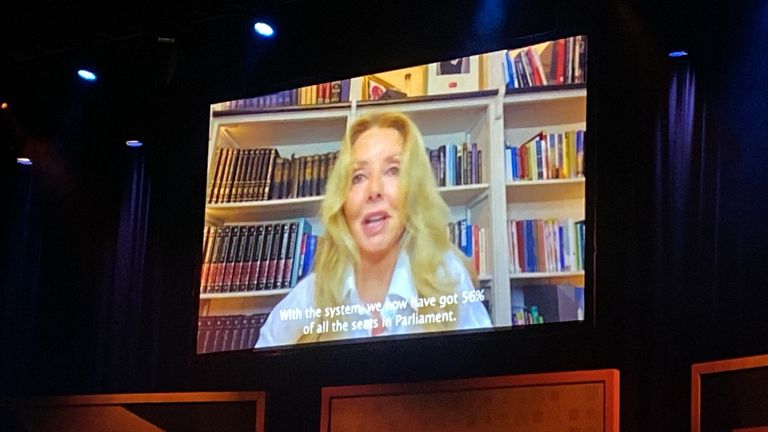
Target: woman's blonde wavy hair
<point x="426" y="217"/>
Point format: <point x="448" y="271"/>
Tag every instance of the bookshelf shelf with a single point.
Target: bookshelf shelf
<point x="546" y="275"/>
<point x="441" y="117"/>
<point x="545" y="190"/>
<point x="260" y="211"/>
<point x="234" y="295"/>
<point x="279" y="129"/>
<point x="554" y="111"/>
<point x="463" y="195"/>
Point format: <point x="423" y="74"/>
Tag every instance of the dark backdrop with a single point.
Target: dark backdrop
<point x="678" y="201"/>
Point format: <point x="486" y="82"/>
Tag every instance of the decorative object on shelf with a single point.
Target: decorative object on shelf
<point x="454" y="75"/>
<point x="375" y="88"/>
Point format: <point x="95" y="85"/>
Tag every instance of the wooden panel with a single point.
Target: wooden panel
<point x="142" y="412"/>
<point x="566" y="401"/>
<point x="738" y="386"/>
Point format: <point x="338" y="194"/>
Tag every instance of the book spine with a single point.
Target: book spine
<point x="272" y="155"/>
<point x="289" y="248"/>
<point x="222" y="259"/>
<point x="265" y="256"/>
<point x="580" y="153"/>
<point x="283" y="251"/>
<point x="258" y="247"/>
<point x="231" y="257"/>
<point x="212" y="177"/>
<point x="209" y="239"/>
<point x="560" y="72"/>
<point x="336" y="91"/>
<point x="345" y="85"/>
<point x="218" y="191"/>
<point x="229" y="191"/>
<point x="306" y="180"/>
<point x="309" y="254"/>
<point x="269" y="282"/>
<point x="323" y="176"/>
<point x="476" y="247"/>
<point x="239" y="258"/>
<point x="245" y="270"/>
<point x="213" y="265"/>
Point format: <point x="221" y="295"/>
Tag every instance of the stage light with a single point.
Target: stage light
<point x="4" y="106"/>
<point x="679" y="53"/>
<point x="264" y="29"/>
<point x="23" y="161"/>
<point x="134" y="143"/>
<point x="86" y="75"/>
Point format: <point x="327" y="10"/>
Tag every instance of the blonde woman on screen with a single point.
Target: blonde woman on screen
<point x="385" y="264"/>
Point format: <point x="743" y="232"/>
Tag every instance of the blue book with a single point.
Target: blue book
<point x="561" y="246"/>
<point x="512" y="76"/>
<point x="451" y="166"/>
<point x="345" y="90"/>
<point x="304" y="229"/>
<point x="468" y="249"/>
<point x="309" y="254"/>
<point x="508" y="172"/>
<point x="515" y="167"/>
<point x="580" y="152"/>
<point x="463" y="236"/>
<point x="530" y="246"/>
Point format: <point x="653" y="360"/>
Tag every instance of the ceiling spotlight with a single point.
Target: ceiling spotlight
<point x="264" y="29"/>
<point x="23" y="161"/>
<point x="679" y="53"/>
<point x="86" y="75"/>
<point x="134" y="143"/>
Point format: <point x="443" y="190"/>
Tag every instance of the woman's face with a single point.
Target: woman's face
<point x="372" y="209"/>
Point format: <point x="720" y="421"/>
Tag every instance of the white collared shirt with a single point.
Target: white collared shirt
<point x="291" y="318"/>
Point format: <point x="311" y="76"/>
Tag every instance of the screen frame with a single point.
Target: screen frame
<point x="581" y="329"/>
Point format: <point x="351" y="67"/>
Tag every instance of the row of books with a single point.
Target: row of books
<point x="240" y="258"/>
<point x="545" y="245"/>
<point x="539" y="303"/>
<point x="228" y="332"/>
<point x="563" y="61"/>
<point x="317" y="94"/>
<point x="242" y="175"/>
<point x="527" y="317"/>
<point x="546" y="156"/>
<point x="302" y="176"/>
<point x="471" y="240"/>
<point x="454" y="165"/>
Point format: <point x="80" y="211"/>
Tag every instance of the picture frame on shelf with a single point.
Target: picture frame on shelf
<point x="454" y="75"/>
<point x="376" y="88"/>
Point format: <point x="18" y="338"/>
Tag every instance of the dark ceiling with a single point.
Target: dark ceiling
<point x="32" y="34"/>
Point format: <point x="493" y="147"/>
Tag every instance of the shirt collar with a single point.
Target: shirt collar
<point x="400" y="286"/>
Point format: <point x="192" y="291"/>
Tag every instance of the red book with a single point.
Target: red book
<point x="560" y="71"/>
<point x="534" y="69"/>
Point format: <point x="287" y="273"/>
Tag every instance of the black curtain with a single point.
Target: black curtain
<point x="708" y="289"/>
<point x="126" y="339"/>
